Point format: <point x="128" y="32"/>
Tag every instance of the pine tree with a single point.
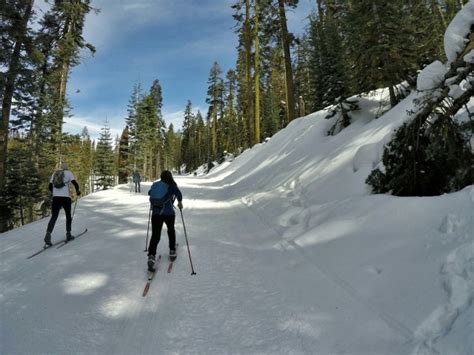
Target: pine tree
<point x="188" y="144"/>
<point x="245" y="96"/>
<point x="274" y="105"/>
<point x="159" y="130"/>
<point x="15" y="39"/>
<point x="431" y="154"/>
<point x="131" y="122"/>
<point x="86" y="157"/>
<point x="215" y="99"/>
<point x="231" y="135"/>
<point x="123" y="157"/>
<point x="202" y="133"/>
<point x="286" y="40"/>
<point x="105" y="159"/>
<point x="378" y="34"/>
<point x="33" y="88"/>
<point x="69" y="18"/>
<point x="303" y="90"/>
<point x="23" y="184"/>
<point x="172" y="155"/>
<point x="428" y="29"/>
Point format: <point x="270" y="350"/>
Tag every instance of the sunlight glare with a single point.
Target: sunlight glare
<point x="84" y="284"/>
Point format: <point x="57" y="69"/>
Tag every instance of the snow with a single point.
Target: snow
<point x="431" y="77"/>
<point x="455" y="37"/>
<point x="469" y="57"/>
<point x="293" y="256"/>
<point x="455" y="91"/>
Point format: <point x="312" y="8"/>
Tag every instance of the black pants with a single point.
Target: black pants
<point x="58" y="202"/>
<point x="156" y="227"/>
<point x="137" y="186"/>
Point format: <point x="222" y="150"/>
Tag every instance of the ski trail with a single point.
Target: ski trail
<point x="390" y="320"/>
<point x="239" y="299"/>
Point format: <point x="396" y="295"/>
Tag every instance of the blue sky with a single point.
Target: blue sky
<point x="174" y="41"/>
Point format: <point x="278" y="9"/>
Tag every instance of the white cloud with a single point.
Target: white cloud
<point x="175" y="118"/>
<point x="118" y="17"/>
<point x="75" y="125"/>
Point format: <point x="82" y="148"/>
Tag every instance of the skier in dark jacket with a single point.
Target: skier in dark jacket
<point x="164" y="214"/>
<point x="136" y="180"/>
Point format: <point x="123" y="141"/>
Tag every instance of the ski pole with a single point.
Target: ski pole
<point x="74" y="210"/>
<point x="187" y="243"/>
<point x="147" y="231"/>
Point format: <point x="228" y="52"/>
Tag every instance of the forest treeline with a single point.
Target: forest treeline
<point x="348" y="48"/>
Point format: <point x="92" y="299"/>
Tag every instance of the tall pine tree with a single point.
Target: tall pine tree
<point x="105" y="166"/>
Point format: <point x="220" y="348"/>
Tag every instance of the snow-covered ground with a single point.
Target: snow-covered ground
<point x="293" y="256"/>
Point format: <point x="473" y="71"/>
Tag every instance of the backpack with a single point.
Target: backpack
<point x="159" y="194"/>
<point x="58" y="179"/>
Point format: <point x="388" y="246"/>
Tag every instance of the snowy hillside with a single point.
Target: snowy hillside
<point x="293" y="256"/>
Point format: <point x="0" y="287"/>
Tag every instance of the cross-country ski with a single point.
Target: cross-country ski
<point x="151" y="276"/>
<point x="64" y="242"/>
<point x="171" y="259"/>
<point x="57" y="244"/>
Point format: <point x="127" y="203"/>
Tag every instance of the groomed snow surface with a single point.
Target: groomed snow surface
<point x="293" y="256"/>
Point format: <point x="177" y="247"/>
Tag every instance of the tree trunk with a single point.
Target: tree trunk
<point x="393" y="96"/>
<point x="248" y="73"/>
<point x="290" y="99"/>
<point x="59" y="112"/>
<point x="257" y="77"/>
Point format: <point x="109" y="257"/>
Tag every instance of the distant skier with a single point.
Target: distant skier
<point x="162" y="196"/>
<point x="59" y="187"/>
<point x="137" y="179"/>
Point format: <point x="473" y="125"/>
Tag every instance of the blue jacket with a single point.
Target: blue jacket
<point x="167" y="209"/>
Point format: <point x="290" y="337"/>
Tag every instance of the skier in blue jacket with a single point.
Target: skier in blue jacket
<point x="164" y="214"/>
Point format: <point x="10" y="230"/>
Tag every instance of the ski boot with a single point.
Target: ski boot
<point x="47" y="240"/>
<point x="151" y="263"/>
<point x="69" y="237"/>
<point x="173" y="254"/>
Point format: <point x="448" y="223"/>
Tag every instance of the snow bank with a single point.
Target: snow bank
<point x="310" y="189"/>
<point x="455" y="37"/>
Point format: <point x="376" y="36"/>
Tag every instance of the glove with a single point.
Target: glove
<point x="180" y="205"/>
<point x="78" y="193"/>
